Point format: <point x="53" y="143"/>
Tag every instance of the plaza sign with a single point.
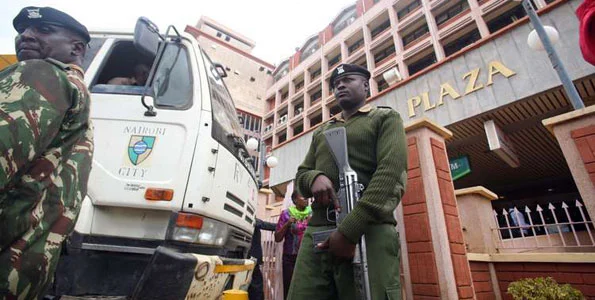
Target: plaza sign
<point x="446" y="89"/>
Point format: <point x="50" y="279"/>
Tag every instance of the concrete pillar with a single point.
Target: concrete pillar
<point x="434" y="239"/>
<point x="398" y="42"/>
<point x="438" y="49"/>
<point x="477" y="218"/>
<point x="478" y="17"/>
<point x="575" y="132"/>
<point x="344" y="52"/>
<point x="369" y="57"/>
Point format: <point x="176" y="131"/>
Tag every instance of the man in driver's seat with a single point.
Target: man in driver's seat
<point x="139" y="77"/>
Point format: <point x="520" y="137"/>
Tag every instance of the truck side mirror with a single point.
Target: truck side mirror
<point x="220" y="70"/>
<point x="146" y="37"/>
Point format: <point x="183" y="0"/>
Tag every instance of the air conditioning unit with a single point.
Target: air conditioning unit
<point x="268" y="128"/>
<point x="283" y="119"/>
<point x="392" y="76"/>
<point x="298" y="111"/>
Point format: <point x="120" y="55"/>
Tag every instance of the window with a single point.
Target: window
<point x="345" y="20"/>
<point x="382" y="84"/>
<point x="123" y="59"/>
<point x="315" y="120"/>
<point x="281" y="71"/>
<point x="358" y="44"/>
<point x="172" y="83"/>
<point x="506" y="18"/>
<point x="316" y="96"/>
<point x="462" y="42"/>
<point x="227" y="38"/>
<point x="94" y="46"/>
<point x="421" y="64"/>
<point x="226" y="128"/>
<point x="452" y="12"/>
<point x="298" y="129"/>
<point x="408" y="39"/>
<point x="310" y="48"/>
<point x="249" y="123"/>
<point x="380" y="28"/>
<point x="299" y="108"/>
<point x="261" y="69"/>
<point x="252" y="79"/>
<point x="407" y="9"/>
<point x="335" y="110"/>
<point x="334" y="60"/>
<point x="218" y="34"/>
<point x="384" y="53"/>
<point x="315" y="74"/>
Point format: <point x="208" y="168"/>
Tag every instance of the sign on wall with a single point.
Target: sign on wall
<point x="459" y="167"/>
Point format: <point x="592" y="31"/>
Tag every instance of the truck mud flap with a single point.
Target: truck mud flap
<point x="174" y="275"/>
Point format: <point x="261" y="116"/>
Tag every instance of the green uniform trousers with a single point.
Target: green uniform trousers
<point x="319" y="276"/>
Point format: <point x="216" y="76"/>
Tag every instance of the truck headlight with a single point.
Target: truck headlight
<point x="191" y="228"/>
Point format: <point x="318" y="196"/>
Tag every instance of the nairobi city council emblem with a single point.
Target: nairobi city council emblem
<point x="140" y="148"/>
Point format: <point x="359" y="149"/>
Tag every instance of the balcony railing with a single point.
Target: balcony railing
<point x="417" y="40"/>
<point x="454" y="18"/>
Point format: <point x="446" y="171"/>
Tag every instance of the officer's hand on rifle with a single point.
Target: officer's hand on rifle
<point x="324" y="192"/>
<point x="339" y="246"/>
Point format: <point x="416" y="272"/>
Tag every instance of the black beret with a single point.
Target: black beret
<point x="31" y="15"/>
<point x="348" y="69"/>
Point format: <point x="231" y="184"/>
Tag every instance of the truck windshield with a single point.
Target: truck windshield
<point x="226" y="128"/>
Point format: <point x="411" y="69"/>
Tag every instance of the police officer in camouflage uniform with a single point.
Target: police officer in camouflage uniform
<point x="46" y="146"/>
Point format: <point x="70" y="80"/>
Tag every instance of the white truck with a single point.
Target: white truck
<point x="172" y="194"/>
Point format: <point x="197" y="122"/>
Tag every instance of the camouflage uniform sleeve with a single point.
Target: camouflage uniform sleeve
<point x="34" y="98"/>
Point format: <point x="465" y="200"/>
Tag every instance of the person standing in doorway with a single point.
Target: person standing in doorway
<point x="290" y="229"/>
<point x="377" y="152"/>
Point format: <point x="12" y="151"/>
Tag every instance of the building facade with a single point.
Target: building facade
<point x="247" y="75"/>
<point x="494" y="76"/>
<point x="493" y="194"/>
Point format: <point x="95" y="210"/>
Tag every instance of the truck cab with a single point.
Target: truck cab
<point x="170" y="167"/>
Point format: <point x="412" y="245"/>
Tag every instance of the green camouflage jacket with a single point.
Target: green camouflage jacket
<point x="46" y="147"/>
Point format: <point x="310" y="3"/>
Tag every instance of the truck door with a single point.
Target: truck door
<point x="134" y="153"/>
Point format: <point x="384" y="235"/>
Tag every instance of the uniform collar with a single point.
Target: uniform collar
<point x="364" y="110"/>
<point x="77" y="69"/>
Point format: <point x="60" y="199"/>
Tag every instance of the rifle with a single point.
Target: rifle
<point x="349" y="190"/>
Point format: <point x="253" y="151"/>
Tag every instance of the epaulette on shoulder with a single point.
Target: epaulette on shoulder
<point x="58" y="64"/>
<point x="324" y="125"/>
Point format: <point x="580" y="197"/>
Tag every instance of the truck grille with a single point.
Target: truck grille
<point x="240" y="236"/>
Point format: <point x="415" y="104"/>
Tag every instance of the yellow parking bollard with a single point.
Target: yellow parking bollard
<point x="235" y="295"/>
